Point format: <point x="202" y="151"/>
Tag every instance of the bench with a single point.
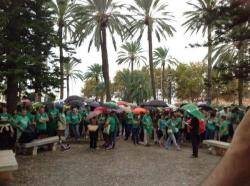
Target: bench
<point x="8" y="164"/>
<point x="33" y="145"/>
<point x="217" y="147"/>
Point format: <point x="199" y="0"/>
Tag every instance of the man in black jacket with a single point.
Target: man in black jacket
<point x="195" y="137"/>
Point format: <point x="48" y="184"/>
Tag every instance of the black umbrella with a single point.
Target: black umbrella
<point x="72" y="98"/>
<point x="76" y="103"/>
<point x="205" y="107"/>
<point x="154" y="103"/>
<point x="93" y="104"/>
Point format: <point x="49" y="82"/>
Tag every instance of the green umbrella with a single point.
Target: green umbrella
<point x="193" y="110"/>
<point x="111" y="105"/>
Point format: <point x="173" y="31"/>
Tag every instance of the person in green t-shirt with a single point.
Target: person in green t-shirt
<point x="135" y="129"/>
<point x="161" y="130"/>
<point x="22" y="122"/>
<point x="210" y="127"/>
<point x="68" y="119"/>
<point x="224" y="129"/>
<point x="61" y="126"/>
<point x="171" y="124"/>
<point x="53" y="117"/>
<point x="128" y="125"/>
<point x="75" y="120"/>
<point x="5" y="118"/>
<point x="41" y="122"/>
<point x="111" y="121"/>
<point x="147" y="128"/>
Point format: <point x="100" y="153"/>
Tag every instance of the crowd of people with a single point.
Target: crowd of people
<point x="163" y="127"/>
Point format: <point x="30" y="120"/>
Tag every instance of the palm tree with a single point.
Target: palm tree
<point x="162" y="58"/>
<point x="64" y="13"/>
<point x="151" y="15"/>
<point x="202" y="18"/>
<point x="96" y="18"/>
<point x="131" y="53"/>
<point x="71" y="72"/>
<point x="94" y="72"/>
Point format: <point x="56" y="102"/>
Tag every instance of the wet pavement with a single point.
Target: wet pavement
<point x="126" y="165"/>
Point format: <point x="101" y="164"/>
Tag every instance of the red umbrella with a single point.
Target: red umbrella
<point x="140" y="110"/>
<point x="122" y="103"/>
<point x="102" y="109"/>
<point x="93" y="114"/>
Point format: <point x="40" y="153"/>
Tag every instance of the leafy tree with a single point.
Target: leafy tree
<point x="136" y="90"/>
<point x="26" y="37"/>
<point x="71" y="72"/>
<point x="96" y="18"/>
<point x="63" y="17"/>
<point x="203" y="18"/>
<point x="92" y="88"/>
<point x="151" y="15"/>
<point x="190" y="81"/>
<point x="131" y="53"/>
<point x="162" y="58"/>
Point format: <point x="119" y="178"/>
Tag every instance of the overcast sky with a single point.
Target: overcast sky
<point x="178" y="46"/>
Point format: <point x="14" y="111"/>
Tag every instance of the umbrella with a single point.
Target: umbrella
<point x="76" y="103"/>
<point x="193" y="110"/>
<point x="123" y="103"/>
<point x="93" y="114"/>
<point x="111" y="105"/>
<point x="72" y="98"/>
<point x="93" y="104"/>
<point x="102" y="109"/>
<point x="37" y="105"/>
<point x="140" y="110"/>
<point x="154" y="103"/>
<point x="126" y="109"/>
<point x="205" y="107"/>
<point x="27" y="102"/>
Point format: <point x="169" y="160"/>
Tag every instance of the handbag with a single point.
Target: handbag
<point x="107" y="130"/>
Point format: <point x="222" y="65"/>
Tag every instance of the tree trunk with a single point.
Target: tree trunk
<point x="240" y="91"/>
<point x="170" y="92"/>
<point x="12" y="91"/>
<point x="162" y="80"/>
<point x="151" y="66"/>
<point x="105" y="64"/>
<point x="61" y="61"/>
<point x="67" y="85"/>
<point x="209" y="65"/>
<point x="132" y="66"/>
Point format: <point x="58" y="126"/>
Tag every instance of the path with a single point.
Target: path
<point x="126" y="165"/>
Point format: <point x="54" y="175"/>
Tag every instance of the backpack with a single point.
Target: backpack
<point x="202" y="127"/>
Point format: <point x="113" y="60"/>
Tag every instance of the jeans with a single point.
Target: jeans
<point x="171" y="137"/>
<point x="93" y="139"/>
<point x="66" y="132"/>
<point x="75" y="129"/>
<point x="146" y="137"/>
<point x="128" y="131"/>
<point x="210" y="134"/>
<point x="135" y="135"/>
<point x="195" y="139"/>
<point x="112" y="136"/>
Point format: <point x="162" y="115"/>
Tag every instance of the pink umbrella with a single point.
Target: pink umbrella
<point x="122" y="103"/>
<point x="102" y="109"/>
<point x="93" y="114"/>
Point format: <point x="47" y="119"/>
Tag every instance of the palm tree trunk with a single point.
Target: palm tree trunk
<point x="132" y="66"/>
<point x="105" y="64"/>
<point x="209" y="72"/>
<point x="151" y="66"/>
<point x="240" y="91"/>
<point x="61" y="61"/>
<point x="67" y="85"/>
<point x="162" y="80"/>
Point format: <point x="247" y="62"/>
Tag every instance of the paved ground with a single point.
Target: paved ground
<point x="126" y="165"/>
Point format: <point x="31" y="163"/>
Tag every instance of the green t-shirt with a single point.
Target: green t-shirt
<point x="112" y="122"/>
<point x="75" y="119"/>
<point x="23" y="122"/>
<point x="171" y="124"/>
<point x="5" y="118"/>
<point x="53" y="113"/>
<point x="41" y="126"/>
<point x="68" y="118"/>
<point x="31" y="117"/>
<point x="147" y="123"/>
<point x="14" y="120"/>
<point x="130" y="118"/>
<point x="162" y="124"/>
<point x="224" y="127"/>
<point x="210" y="125"/>
<point x="178" y="122"/>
